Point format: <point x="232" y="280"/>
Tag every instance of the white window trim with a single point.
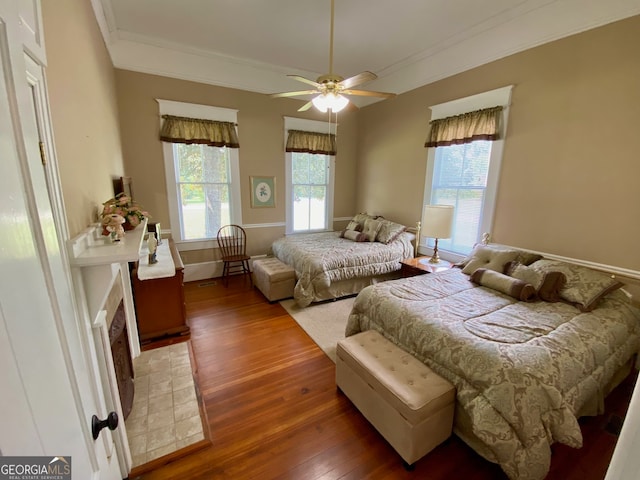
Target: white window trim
<point x="207" y="112"/>
<point x="291" y="123"/>
<point x="500" y="96"/>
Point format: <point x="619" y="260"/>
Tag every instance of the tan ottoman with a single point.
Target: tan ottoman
<point x="273" y="278"/>
<point x="402" y="398"/>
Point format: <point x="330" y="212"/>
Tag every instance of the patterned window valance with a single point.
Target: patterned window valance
<point x="311" y="142"/>
<point x="479" y="125"/>
<point x="197" y="130"/>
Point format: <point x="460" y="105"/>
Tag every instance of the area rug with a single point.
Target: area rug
<point x="323" y="322"/>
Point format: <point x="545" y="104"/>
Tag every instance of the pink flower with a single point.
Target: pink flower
<point x="124" y="206"/>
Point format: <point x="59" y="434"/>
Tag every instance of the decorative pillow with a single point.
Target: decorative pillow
<point x="371" y="228"/>
<point x="360" y="218"/>
<point x="524" y="257"/>
<point x="354" y="235"/>
<point x="505" y="284"/>
<point x="484" y="256"/>
<point x="547" y="284"/>
<point x="389" y="231"/>
<point x="584" y="286"/>
<point x="354" y="226"/>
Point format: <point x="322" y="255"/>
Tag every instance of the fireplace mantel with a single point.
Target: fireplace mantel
<point x="91" y="248"/>
<point x="97" y="264"/>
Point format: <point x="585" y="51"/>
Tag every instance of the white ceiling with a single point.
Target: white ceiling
<point x="253" y="44"/>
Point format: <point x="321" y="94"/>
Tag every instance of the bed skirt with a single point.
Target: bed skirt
<point x="346" y="288"/>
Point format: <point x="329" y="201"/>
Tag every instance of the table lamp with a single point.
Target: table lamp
<point x="437" y="222"/>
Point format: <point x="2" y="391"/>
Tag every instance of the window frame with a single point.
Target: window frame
<point x="291" y="123"/>
<point x="500" y="96"/>
<point x="207" y="112"/>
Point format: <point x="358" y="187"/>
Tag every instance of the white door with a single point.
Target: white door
<point x="48" y="370"/>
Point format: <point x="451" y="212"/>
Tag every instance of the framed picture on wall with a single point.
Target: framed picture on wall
<point x="263" y="192"/>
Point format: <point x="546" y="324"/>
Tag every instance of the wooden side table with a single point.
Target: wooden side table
<point x="160" y="307"/>
<point x="410" y="267"/>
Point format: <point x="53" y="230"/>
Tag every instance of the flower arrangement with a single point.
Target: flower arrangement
<point x="123" y="205"/>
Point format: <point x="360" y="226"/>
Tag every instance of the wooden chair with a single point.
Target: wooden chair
<point x="232" y="240"/>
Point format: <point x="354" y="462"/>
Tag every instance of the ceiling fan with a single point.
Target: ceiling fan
<point x="331" y="88"/>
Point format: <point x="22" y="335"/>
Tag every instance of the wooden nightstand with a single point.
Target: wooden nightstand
<point x="411" y="267"/>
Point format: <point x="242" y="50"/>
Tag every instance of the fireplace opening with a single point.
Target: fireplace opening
<point x="122" y="358"/>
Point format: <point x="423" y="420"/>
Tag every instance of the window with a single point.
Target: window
<point x="309" y="183"/>
<point x="203" y="184"/>
<point x="460" y="179"/>
<point x="466" y="176"/>
<point x="203" y="181"/>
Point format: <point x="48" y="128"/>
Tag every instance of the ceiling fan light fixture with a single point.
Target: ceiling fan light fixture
<point x="330" y="101"/>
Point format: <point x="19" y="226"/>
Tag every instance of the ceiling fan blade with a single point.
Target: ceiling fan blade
<point x="293" y="94"/>
<point x="358" y="79"/>
<point x="305" y="80"/>
<point x="305" y="107"/>
<point x="368" y="93"/>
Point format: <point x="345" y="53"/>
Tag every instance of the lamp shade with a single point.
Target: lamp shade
<point x="330" y="101"/>
<point x="437" y="221"/>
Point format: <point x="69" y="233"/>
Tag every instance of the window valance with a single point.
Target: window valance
<point x="311" y="142"/>
<point x="478" y="125"/>
<point x="197" y="130"/>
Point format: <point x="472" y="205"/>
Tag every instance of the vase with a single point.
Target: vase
<point x="127" y="226"/>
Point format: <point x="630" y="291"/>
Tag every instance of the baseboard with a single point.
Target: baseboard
<point x="206" y="270"/>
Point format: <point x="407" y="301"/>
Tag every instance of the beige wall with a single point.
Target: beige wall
<point x="569" y="180"/>
<point x="261" y="135"/>
<point x="82" y="96"/>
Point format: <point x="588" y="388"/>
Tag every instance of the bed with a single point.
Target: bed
<point x="329" y="265"/>
<point x="524" y="371"/>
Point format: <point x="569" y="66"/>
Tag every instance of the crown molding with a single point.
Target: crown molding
<point x="475" y="47"/>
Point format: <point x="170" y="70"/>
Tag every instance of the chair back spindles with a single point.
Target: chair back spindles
<point x="232" y="240"/>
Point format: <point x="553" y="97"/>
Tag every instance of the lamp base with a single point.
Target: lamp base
<point x="438" y="263"/>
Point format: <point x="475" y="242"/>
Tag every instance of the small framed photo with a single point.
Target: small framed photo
<point x="263" y="192"/>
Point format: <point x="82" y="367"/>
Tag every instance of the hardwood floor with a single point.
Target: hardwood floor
<point x="274" y="411"/>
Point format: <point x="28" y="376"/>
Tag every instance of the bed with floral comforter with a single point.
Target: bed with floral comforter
<point x="324" y="260"/>
<point x="523" y="371"/>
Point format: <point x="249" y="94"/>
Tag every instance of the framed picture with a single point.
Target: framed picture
<point x="263" y="192"/>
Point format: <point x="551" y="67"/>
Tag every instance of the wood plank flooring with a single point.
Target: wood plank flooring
<point x="274" y="411"/>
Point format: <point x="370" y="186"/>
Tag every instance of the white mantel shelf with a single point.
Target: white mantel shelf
<point x="96" y="265"/>
<point x="91" y="248"/>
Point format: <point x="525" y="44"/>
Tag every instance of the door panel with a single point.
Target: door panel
<point x="47" y="360"/>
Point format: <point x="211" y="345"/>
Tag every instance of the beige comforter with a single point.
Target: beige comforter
<point x="521" y="370"/>
<point x="321" y="259"/>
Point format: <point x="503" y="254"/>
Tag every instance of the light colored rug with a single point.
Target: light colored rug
<point x="323" y="322"/>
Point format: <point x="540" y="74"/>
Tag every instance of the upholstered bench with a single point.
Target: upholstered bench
<point x="409" y="405"/>
<point x="273" y="278"/>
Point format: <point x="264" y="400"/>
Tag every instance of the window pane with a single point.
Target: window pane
<point x="318" y="169"/>
<point x="317" y="207"/>
<point x="189" y="162"/>
<point x="460" y="179"/>
<point x="300" y="168"/>
<point x="203" y="209"/>
<point x="215" y="164"/>
<point x="202" y="163"/>
<point x="301" y="202"/>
